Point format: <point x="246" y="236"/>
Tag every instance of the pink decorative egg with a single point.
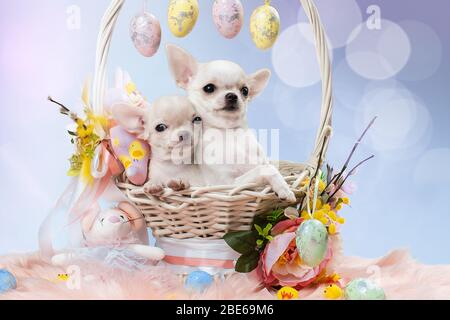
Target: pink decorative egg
<point x="145" y="32"/>
<point x="228" y="17"/>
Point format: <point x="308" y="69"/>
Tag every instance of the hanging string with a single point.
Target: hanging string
<point x="145" y="6"/>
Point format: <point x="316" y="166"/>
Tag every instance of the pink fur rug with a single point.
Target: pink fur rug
<point x="397" y="273"/>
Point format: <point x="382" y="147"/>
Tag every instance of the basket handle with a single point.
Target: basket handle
<point x="324" y="131"/>
<point x="103" y="44"/>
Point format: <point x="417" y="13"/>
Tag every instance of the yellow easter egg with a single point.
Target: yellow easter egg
<point x="265" y="26"/>
<point x="182" y="16"/>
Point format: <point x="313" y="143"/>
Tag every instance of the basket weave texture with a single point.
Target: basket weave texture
<point x="210" y="212"/>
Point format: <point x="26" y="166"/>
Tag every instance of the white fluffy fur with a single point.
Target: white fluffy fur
<point x="172" y="164"/>
<point x="224" y="116"/>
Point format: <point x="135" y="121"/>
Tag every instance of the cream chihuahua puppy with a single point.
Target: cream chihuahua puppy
<point x="172" y="128"/>
<point x="221" y="91"/>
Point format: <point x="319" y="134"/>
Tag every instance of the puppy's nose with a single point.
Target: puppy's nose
<point x="231" y="98"/>
<point x="114" y="219"/>
<point x="184" y="136"/>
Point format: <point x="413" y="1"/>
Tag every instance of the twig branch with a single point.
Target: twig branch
<point x="352" y="171"/>
<point x="355" y="146"/>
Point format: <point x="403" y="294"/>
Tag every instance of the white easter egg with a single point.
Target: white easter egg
<point x="182" y="16"/>
<point x="228" y="16"/>
<point x="265" y="26"/>
<point x="145" y="32"/>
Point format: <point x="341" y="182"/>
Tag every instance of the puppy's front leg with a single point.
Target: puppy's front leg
<point x="153" y="188"/>
<point x="268" y="174"/>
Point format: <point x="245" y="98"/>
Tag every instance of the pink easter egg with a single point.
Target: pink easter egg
<point x="228" y="17"/>
<point x="145" y="32"/>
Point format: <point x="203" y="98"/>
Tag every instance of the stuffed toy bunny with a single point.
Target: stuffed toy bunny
<point x="116" y="228"/>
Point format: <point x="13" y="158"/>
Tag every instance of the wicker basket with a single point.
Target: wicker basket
<point x="210" y="212"/>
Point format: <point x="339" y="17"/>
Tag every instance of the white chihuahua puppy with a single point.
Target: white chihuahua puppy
<point x="221" y="92"/>
<point x="172" y="128"/>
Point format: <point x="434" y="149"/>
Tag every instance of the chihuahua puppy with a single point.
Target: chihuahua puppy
<point x="172" y="128"/>
<point x="221" y="92"/>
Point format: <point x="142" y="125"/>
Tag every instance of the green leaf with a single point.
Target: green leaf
<point x="260" y="231"/>
<point x="259" y="242"/>
<point x="241" y="241"/>
<point x="270" y="238"/>
<point x="267" y="229"/>
<point x="247" y="262"/>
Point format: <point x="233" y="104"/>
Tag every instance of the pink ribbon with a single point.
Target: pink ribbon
<point x="77" y="208"/>
<point x="199" y="262"/>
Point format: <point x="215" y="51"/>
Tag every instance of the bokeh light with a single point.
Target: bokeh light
<point x="402" y="119"/>
<point x="378" y="54"/>
<point x="294" y="56"/>
<point x="339" y="18"/>
<point x="431" y="169"/>
<point x="426" y="51"/>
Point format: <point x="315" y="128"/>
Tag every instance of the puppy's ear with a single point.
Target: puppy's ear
<point x="135" y="216"/>
<point x="182" y="65"/>
<point x="131" y="118"/>
<point x="258" y="82"/>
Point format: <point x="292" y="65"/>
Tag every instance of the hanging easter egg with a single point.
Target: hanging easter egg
<point x="7" y="281"/>
<point x="363" y="289"/>
<point x="182" y="16"/>
<point x="265" y="26"/>
<point x="198" y="281"/>
<point x="228" y="16"/>
<point x="145" y="32"/>
<point x="312" y="242"/>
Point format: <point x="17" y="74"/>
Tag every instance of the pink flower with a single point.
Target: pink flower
<point x="280" y="264"/>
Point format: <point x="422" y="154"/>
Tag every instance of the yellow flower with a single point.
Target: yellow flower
<point x="322" y="185"/>
<point x="323" y="220"/>
<point x="341" y="220"/>
<point x="332" y="228"/>
<point x="332" y="215"/>
<point x="318" y="214"/>
<point x="346" y="201"/>
<point x="339" y="207"/>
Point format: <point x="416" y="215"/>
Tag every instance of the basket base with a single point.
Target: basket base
<point x="184" y="256"/>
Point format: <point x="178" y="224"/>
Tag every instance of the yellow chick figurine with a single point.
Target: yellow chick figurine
<point x="63" y="277"/>
<point x="333" y="292"/>
<point x="136" y="151"/>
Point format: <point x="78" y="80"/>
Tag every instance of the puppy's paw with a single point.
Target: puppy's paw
<point x="286" y="194"/>
<point x="178" y="185"/>
<point x="153" y="189"/>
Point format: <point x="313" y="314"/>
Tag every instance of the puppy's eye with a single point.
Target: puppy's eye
<point x="209" y="88"/>
<point x="197" y="120"/>
<point x="245" y="91"/>
<point x="161" y="127"/>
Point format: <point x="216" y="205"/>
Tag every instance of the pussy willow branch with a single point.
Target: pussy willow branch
<point x="352" y="171"/>
<point x="355" y="146"/>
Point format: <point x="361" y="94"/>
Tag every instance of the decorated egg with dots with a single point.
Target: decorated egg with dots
<point x="145" y="32"/>
<point x="182" y="16"/>
<point x="228" y="16"/>
<point x="198" y="281"/>
<point x="265" y="26"/>
<point x="363" y="289"/>
<point x="312" y="242"/>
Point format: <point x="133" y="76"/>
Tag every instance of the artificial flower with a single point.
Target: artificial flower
<point x="280" y="263"/>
